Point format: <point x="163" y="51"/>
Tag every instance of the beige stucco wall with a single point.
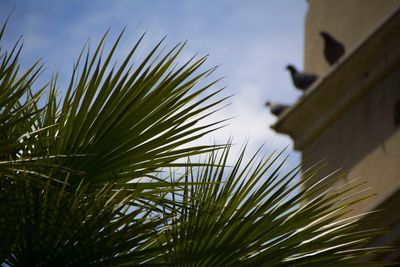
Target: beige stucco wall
<point x="348" y="116"/>
<point x="348" y="20"/>
<point x="365" y="141"/>
<point x="357" y="131"/>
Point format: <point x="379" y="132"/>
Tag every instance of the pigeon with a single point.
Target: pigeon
<point x="301" y="80"/>
<point x="276" y="108"/>
<point x="333" y="49"/>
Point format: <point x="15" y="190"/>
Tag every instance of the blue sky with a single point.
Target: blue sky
<point x="252" y="41"/>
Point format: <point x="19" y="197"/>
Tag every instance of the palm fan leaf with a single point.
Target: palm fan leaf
<point x="122" y="123"/>
<point x="19" y="112"/>
<point x="52" y="226"/>
<point x="259" y="215"/>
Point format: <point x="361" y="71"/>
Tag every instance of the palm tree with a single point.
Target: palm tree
<point x="84" y="181"/>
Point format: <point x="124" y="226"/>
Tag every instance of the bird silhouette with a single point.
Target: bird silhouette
<point x="276" y="108"/>
<point x="301" y="80"/>
<point x="333" y="49"/>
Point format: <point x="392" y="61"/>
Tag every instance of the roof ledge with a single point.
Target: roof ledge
<point x="352" y="77"/>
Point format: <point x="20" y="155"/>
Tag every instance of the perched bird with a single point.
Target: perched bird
<point x="276" y="108"/>
<point x="301" y="80"/>
<point x="333" y="49"/>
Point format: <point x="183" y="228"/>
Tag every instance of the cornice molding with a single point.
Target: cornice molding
<point x="370" y="61"/>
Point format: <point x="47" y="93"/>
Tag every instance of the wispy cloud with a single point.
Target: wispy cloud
<point x="252" y="40"/>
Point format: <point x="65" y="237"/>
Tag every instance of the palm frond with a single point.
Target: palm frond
<point x="121" y="123"/>
<point x="256" y="214"/>
<point x="52" y="226"/>
<point x="18" y="107"/>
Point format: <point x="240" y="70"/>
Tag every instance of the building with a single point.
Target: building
<point x="351" y="115"/>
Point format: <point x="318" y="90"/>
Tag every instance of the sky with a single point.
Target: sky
<point x="252" y="41"/>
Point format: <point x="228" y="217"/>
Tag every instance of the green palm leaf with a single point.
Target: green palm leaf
<point x="260" y="215"/>
<point x="19" y="112"/>
<point x="122" y="123"/>
<point x="51" y="226"/>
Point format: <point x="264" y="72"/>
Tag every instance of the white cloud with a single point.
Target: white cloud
<point x="253" y="41"/>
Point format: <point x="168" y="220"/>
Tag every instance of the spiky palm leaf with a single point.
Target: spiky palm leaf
<point x="18" y="107"/>
<point x="260" y="215"/>
<point x="124" y="122"/>
<point x="52" y="226"/>
<point x="117" y="122"/>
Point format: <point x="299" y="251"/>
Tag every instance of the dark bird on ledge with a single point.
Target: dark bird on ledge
<point x="301" y="80"/>
<point x="333" y="49"/>
<point x="276" y="108"/>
